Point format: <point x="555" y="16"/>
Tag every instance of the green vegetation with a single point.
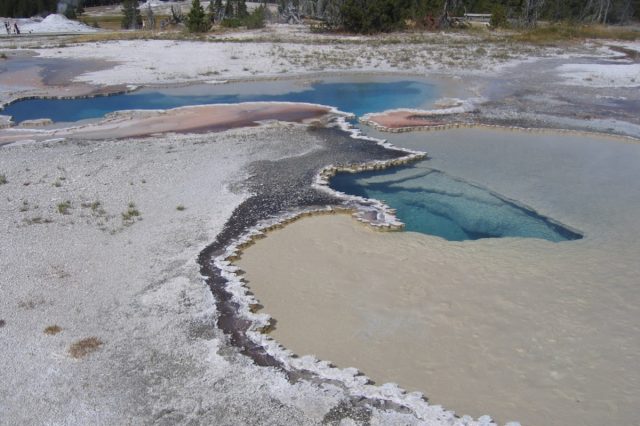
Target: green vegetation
<point x="36" y="220"/>
<point x="563" y="32"/>
<point x="235" y="14"/>
<point x="131" y="18"/>
<point x="63" y="207"/>
<point x="3" y="179"/>
<point x="367" y="17"/>
<point x="28" y="8"/>
<point x="197" y="21"/>
<point x="231" y="23"/>
<point x="256" y="18"/>
<point x="371" y="16"/>
<point x="498" y="17"/>
<point x="180" y="208"/>
<point x="131" y="213"/>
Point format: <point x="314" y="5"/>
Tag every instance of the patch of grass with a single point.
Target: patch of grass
<point x="37" y="220"/>
<point x="25" y="206"/>
<point x="110" y="22"/>
<point x="2" y="323"/>
<point x="52" y="330"/>
<point x="180" y="207"/>
<point x="31" y="303"/>
<point x="565" y="32"/>
<point x="63" y="207"/>
<point x="3" y="179"/>
<point x="95" y="205"/>
<point x="3" y="55"/>
<point x="84" y="347"/>
<point x="131" y="213"/>
<point x="57" y="183"/>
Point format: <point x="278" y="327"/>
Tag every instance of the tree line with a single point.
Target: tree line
<point x="367" y="16"/>
<point x="29" y="8"/>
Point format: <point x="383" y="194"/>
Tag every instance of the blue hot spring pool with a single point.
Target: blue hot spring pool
<point x="355" y="97"/>
<point x="432" y="202"/>
<point x="427" y="200"/>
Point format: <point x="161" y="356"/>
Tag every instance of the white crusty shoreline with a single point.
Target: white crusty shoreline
<point x="132" y="284"/>
<point x="322" y="257"/>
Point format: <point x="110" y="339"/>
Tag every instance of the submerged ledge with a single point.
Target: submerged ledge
<point x="246" y="327"/>
<point x="191" y="119"/>
<point x="551" y="264"/>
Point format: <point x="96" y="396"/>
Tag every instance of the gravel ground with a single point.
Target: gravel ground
<point x="104" y="317"/>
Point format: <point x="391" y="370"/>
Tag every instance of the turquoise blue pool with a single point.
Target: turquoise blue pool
<point x="431" y="202"/>
<point x="354" y="97"/>
<point x="427" y="200"/>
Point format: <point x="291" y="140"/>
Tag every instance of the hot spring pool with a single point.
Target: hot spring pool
<point x="357" y="97"/>
<point x="432" y="202"/>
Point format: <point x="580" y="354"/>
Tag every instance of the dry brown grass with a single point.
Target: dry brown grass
<point x="559" y="33"/>
<point x="52" y="330"/>
<point x="84" y="347"/>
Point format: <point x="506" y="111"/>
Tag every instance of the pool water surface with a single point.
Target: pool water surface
<point x="431" y="202"/>
<point x="359" y="98"/>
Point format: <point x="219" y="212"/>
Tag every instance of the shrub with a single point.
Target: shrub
<point x="3" y="179"/>
<point x="131" y="18"/>
<point x="197" y="21"/>
<point x="373" y="16"/>
<point x="231" y="23"/>
<point x="63" y="207"/>
<point x="130" y="214"/>
<point x="256" y="18"/>
<point x="498" y="17"/>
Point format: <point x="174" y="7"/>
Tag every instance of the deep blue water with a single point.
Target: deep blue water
<point x="355" y="97"/>
<point x="431" y="202"/>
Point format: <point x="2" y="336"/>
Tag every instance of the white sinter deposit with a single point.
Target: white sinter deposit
<point x="53" y="23"/>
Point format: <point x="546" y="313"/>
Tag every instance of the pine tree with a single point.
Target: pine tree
<point x="228" y="10"/>
<point x="131" y="18"/>
<point x="241" y="9"/>
<point x="196" y="19"/>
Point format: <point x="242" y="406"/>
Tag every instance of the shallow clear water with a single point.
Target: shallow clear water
<point x="355" y="97"/>
<point x="431" y="202"/>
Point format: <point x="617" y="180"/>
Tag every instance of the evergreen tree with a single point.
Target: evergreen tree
<point x="370" y="16"/>
<point x="241" y="9"/>
<point x="131" y="18"/>
<point x="196" y="19"/>
<point x="498" y="17"/>
<point x="228" y="10"/>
